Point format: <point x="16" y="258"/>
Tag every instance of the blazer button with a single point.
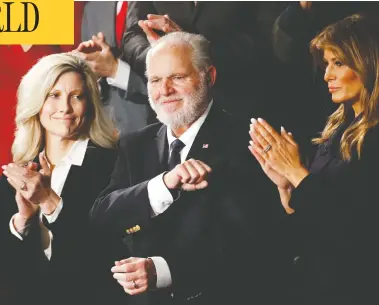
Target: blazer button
<point x="296" y="260"/>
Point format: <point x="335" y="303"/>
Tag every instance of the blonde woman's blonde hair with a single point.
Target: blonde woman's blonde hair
<point x="355" y="42"/>
<point x="32" y="93"/>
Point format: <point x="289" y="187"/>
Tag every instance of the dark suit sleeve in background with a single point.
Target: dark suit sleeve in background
<point x="229" y="27"/>
<point x="136" y="90"/>
<point x="292" y="32"/>
<point x="134" y="42"/>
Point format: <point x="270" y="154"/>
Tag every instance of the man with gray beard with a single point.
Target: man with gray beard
<point x="183" y="195"/>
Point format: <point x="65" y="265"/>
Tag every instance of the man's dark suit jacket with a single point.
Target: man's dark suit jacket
<point x="209" y="238"/>
<point x="232" y="29"/>
<point x="336" y="227"/>
<point x="78" y="271"/>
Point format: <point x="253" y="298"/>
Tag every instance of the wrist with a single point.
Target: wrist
<point x="151" y="273"/>
<point x="27" y="214"/>
<point x="285" y="196"/>
<point x="50" y="204"/>
<point x="22" y="218"/>
<point x="167" y="181"/>
<point x="114" y="69"/>
<point x="297" y="175"/>
<point x="21" y="222"/>
<point x="286" y="190"/>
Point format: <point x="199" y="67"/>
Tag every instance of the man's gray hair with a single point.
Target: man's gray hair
<point x="198" y="44"/>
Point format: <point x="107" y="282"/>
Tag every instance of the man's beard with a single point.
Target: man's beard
<point x="193" y="107"/>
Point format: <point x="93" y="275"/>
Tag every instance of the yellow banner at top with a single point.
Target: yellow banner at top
<point x="37" y="22"/>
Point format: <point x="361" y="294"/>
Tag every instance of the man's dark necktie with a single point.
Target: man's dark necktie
<point x="176" y="148"/>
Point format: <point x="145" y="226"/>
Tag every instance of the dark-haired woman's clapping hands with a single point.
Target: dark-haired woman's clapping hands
<point x="279" y="157"/>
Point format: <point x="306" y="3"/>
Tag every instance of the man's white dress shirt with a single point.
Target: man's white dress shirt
<point x="160" y="197"/>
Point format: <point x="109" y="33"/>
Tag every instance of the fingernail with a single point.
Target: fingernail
<point x="282" y="128"/>
<point x="251" y="143"/>
<point x="4" y="167"/>
<point x="260" y="120"/>
<point x="5" y="173"/>
<point x="253" y="120"/>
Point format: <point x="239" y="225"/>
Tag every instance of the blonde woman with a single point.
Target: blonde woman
<point x="62" y="158"/>
<point x="333" y="204"/>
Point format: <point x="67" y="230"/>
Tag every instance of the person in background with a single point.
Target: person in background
<point x="333" y="202"/>
<point x="62" y="159"/>
<point x="232" y="29"/>
<point x="123" y="92"/>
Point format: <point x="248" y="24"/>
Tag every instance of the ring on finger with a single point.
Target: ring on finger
<point x="268" y="147"/>
<point x="23" y="186"/>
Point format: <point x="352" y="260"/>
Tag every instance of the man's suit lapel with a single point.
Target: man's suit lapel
<point x="162" y="145"/>
<point x="206" y="139"/>
<point x="156" y="158"/>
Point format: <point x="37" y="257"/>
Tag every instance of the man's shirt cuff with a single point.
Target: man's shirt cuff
<point x="159" y="195"/>
<point x="121" y="79"/>
<point x="163" y="272"/>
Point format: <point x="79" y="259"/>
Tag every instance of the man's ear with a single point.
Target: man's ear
<point x="211" y="75"/>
